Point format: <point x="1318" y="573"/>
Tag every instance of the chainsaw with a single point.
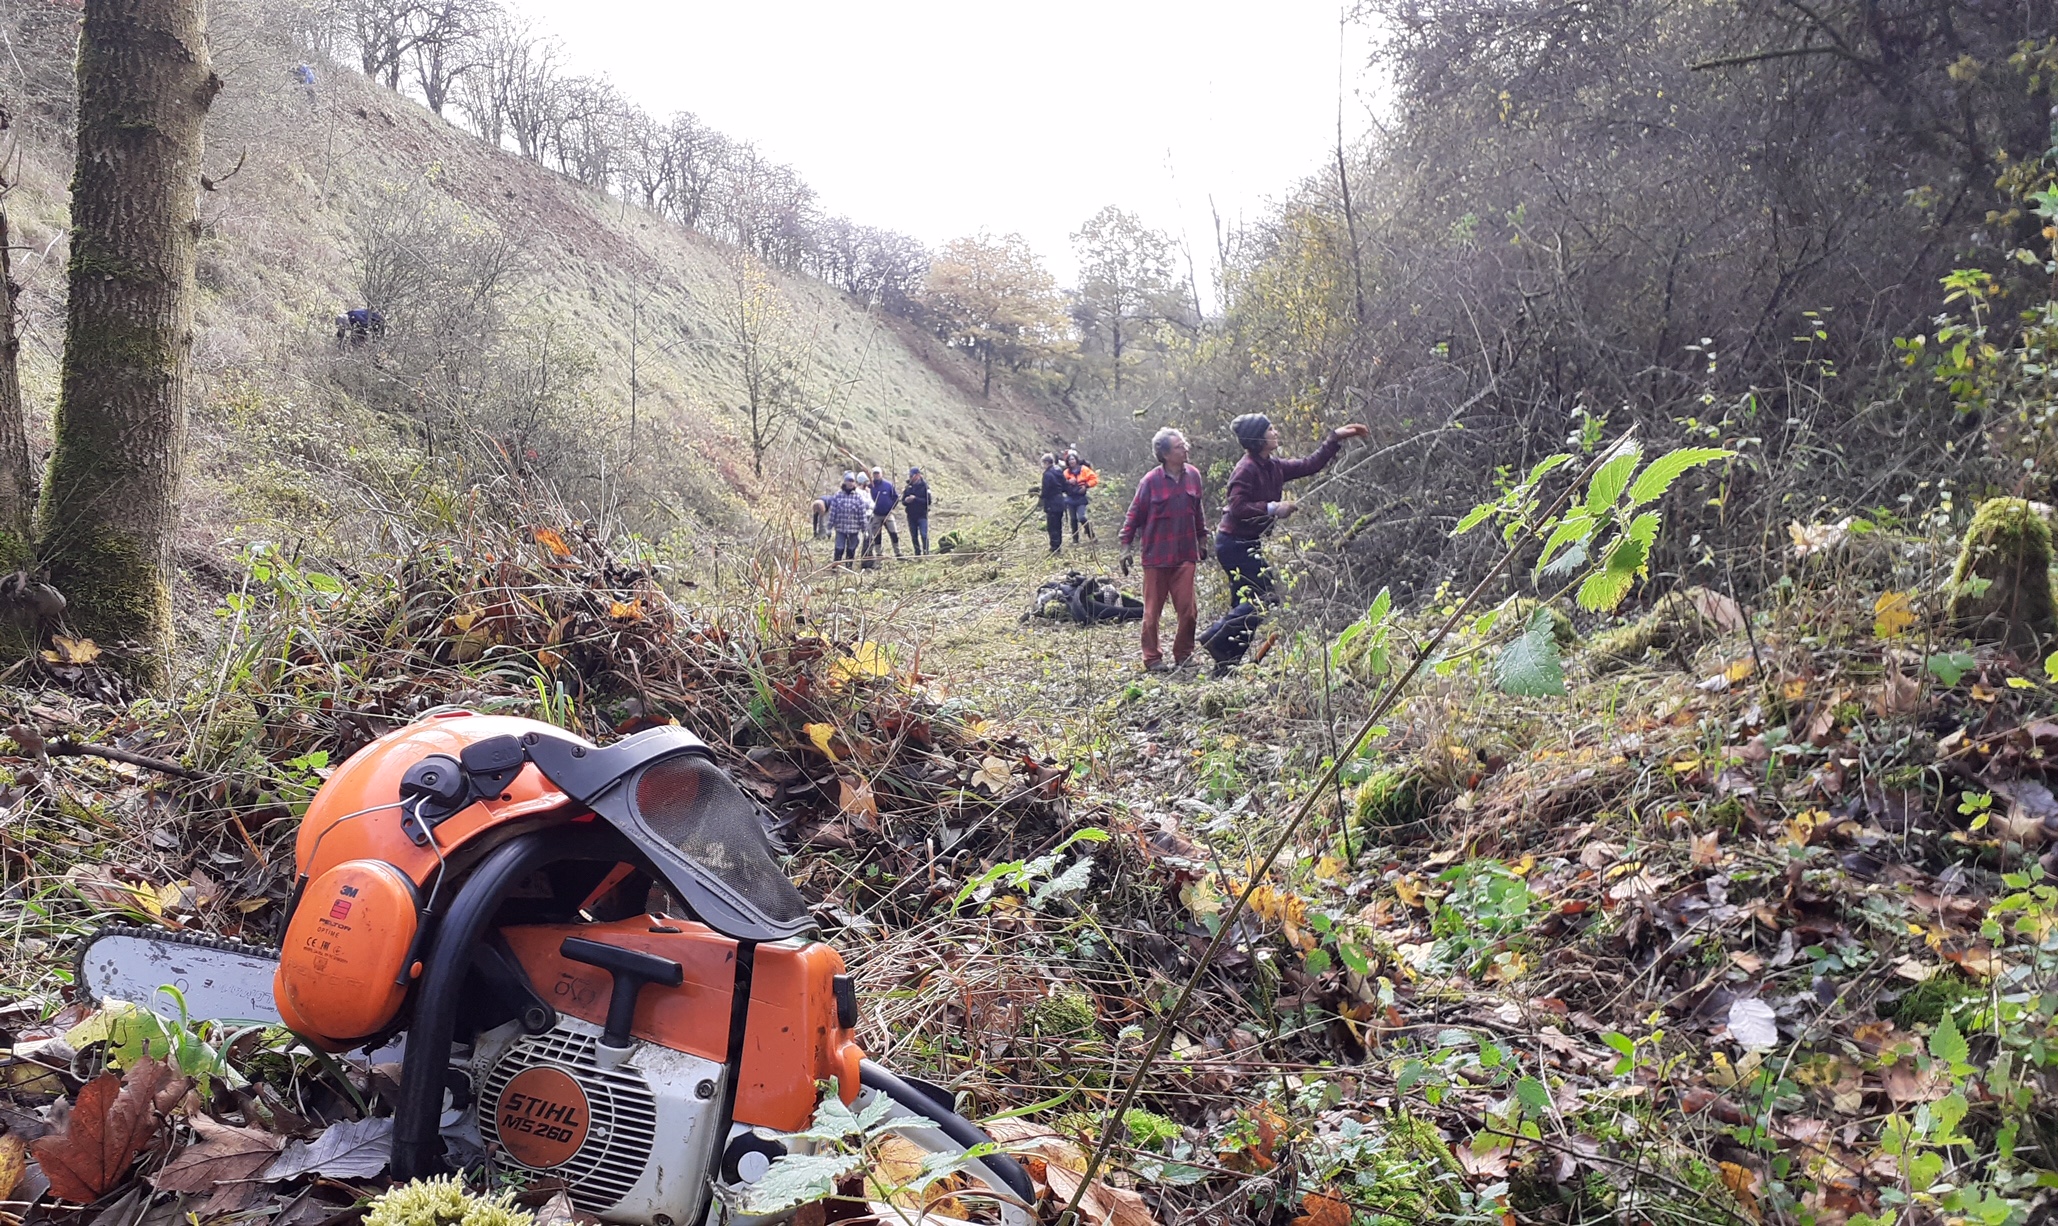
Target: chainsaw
<point x="485" y="891"/>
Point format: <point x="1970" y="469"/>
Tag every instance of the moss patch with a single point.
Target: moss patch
<point x="2000" y="590"/>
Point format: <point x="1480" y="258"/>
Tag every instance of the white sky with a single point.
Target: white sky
<point x="942" y="117"/>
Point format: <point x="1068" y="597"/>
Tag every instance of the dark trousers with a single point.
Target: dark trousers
<point x="1054" y="520"/>
<point x="1253" y="585"/>
<point x="1251" y="578"/>
<point x="918" y="534"/>
<point x="846" y="548"/>
<point x="1076" y="512"/>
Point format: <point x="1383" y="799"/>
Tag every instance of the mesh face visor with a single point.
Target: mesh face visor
<point x="705" y="834"/>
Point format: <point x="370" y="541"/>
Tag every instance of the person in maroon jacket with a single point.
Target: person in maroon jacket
<point x="1167" y="522"/>
<point x="1256" y="501"/>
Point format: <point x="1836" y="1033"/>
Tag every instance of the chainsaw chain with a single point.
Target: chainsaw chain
<point x="198" y="939"/>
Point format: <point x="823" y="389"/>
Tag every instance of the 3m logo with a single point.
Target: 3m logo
<point x="348" y="891"/>
<point x="341" y="910"/>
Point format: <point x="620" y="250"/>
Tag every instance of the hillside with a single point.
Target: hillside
<point x="294" y="436"/>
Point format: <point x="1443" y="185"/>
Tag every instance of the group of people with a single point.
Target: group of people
<point x="1167" y="527"/>
<point x="860" y="513"/>
<point x="1067" y="484"/>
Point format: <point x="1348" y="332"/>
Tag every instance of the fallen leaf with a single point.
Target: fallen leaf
<point x="821" y="735"/>
<point x="14" y="1163"/>
<point x="557" y="1211"/>
<point x="71" y="651"/>
<point x="1817" y="538"/>
<point x="1707" y="852"/>
<point x="1742" y="1183"/>
<point x="1746" y="961"/>
<point x="549" y="539"/>
<point x="225" y="1162"/>
<point x="115" y="1118"/>
<point x="1491" y="1164"/>
<point x="1752" y="1024"/>
<point x="856" y="799"/>
<point x="1320" y="1210"/>
<point x="994" y="775"/>
<point x="353" y="1149"/>
<point x="1892" y="613"/>
<point x="626" y="610"/>
<point x="1717" y="608"/>
<point x="1904" y="1083"/>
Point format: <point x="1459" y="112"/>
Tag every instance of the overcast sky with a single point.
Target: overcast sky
<point x="942" y="118"/>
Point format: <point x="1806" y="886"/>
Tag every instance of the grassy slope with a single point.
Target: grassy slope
<point x="276" y="267"/>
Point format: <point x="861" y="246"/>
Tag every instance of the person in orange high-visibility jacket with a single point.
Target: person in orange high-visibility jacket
<point x="1080" y="479"/>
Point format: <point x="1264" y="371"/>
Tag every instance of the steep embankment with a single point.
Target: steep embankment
<point x="280" y="441"/>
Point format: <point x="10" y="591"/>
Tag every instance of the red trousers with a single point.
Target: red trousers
<point x="1176" y="584"/>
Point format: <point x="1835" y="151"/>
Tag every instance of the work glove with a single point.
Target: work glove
<point x="1128" y="558"/>
<point x="1280" y="510"/>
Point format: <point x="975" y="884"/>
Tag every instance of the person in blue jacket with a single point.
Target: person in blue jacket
<point x="914" y="501"/>
<point x="884" y="499"/>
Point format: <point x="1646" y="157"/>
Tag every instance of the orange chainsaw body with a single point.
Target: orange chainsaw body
<point x="345" y="971"/>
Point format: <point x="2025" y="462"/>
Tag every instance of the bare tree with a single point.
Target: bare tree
<point x="772" y="356"/>
<point x="449" y="47"/>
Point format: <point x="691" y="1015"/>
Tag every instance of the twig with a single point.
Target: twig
<point x="1228" y="923"/>
<point x="164" y="766"/>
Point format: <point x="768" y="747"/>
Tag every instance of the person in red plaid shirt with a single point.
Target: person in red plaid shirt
<point x="1167" y="524"/>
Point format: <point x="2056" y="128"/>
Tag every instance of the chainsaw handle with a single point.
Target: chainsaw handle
<point x="631" y="968"/>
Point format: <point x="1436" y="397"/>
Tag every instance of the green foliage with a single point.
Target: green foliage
<point x="1605" y="523"/>
<point x="2000" y="588"/>
<point x="1021" y="874"/>
<point x="838" y="1143"/>
<point x="1529" y="666"/>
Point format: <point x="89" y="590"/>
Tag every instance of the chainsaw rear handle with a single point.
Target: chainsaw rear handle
<point x="632" y="969"/>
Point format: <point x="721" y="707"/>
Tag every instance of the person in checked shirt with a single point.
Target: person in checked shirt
<point x="848" y="511"/>
<point x="1167" y="525"/>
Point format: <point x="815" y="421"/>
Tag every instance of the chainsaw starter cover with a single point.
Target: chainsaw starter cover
<point x="341" y="968"/>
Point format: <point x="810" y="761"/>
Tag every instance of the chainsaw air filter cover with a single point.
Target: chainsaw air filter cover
<point x="342" y="973"/>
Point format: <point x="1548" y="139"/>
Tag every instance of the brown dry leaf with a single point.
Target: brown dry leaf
<point x="1904" y="1083"/>
<point x="224" y="1161"/>
<point x="1492" y="1164"/>
<point x="549" y="539"/>
<point x="1707" y="850"/>
<point x="1978" y="960"/>
<point x="1058" y="1164"/>
<point x="897" y="1163"/>
<point x="1717" y="608"/>
<point x="114" y="1119"/>
<point x="1746" y="961"/>
<point x="856" y="799"/>
<point x="1320" y="1210"/>
<point x="626" y="610"/>
<point x="993" y="775"/>
<point x="71" y="651"/>
<point x="1410" y="891"/>
<point x="1742" y="1183"/>
<point x="14" y="1163"/>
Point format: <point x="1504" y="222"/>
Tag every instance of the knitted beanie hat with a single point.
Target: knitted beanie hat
<point x="1250" y="430"/>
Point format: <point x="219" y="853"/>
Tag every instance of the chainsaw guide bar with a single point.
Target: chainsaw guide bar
<point x="214" y="977"/>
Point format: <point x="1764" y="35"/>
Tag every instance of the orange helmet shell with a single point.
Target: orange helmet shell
<point x="356" y="814"/>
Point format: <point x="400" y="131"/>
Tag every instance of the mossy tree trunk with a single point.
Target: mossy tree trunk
<point x="105" y="520"/>
<point x="17" y="479"/>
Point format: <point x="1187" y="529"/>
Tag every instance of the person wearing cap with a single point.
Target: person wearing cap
<point x="1256" y="501"/>
<point x="1167" y="523"/>
<point x="884" y="499"/>
<point x="914" y="500"/>
<point x="1055" y="496"/>
<point x="847" y="510"/>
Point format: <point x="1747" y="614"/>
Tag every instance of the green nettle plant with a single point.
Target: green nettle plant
<point x="1599" y="544"/>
